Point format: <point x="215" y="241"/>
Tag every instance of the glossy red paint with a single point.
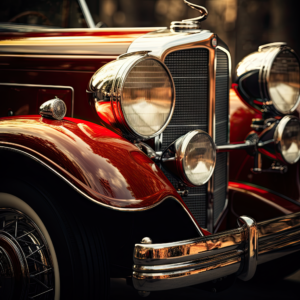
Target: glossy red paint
<point x="26" y="58"/>
<point x="257" y="202"/>
<point x="79" y="32"/>
<point x="95" y="158"/>
<point x="71" y="42"/>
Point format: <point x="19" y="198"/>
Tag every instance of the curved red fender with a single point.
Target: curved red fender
<point x="99" y="162"/>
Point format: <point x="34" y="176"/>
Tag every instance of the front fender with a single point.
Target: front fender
<point x="99" y="162"/>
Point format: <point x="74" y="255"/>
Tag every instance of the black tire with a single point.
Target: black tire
<point x="78" y="243"/>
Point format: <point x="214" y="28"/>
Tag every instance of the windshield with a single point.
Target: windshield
<point x="46" y="13"/>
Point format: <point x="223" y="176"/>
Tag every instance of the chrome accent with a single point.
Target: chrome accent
<point x="278" y="136"/>
<point x="27" y="256"/>
<point x="86" y="12"/>
<point x="277" y="44"/>
<point x="146" y="240"/>
<point x="201" y="9"/>
<point x="158" y="142"/>
<point x="211" y="224"/>
<point x="278" y="237"/>
<point x="251" y="249"/>
<point x="124" y="55"/>
<point x="172" y="157"/>
<point x="261" y="62"/>
<point x="190" y="24"/>
<point x="108" y="82"/>
<point x="44" y="86"/>
<point x="238" y="251"/>
<point x="164" y="41"/>
<point x="95" y="201"/>
<point x="54" y="108"/>
<point x="233" y="147"/>
<point x="147" y="150"/>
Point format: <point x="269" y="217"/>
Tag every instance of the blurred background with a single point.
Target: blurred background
<point x="242" y="24"/>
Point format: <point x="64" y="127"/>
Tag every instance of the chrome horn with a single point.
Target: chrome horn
<point x="54" y="109"/>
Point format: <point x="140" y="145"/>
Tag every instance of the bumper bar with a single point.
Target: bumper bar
<point x="185" y="263"/>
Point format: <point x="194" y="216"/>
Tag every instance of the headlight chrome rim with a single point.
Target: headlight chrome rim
<point x="278" y="138"/>
<point x="117" y="95"/>
<point x="173" y="158"/>
<point x="265" y="72"/>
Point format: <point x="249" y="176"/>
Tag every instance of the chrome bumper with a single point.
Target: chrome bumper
<point x="185" y="263"/>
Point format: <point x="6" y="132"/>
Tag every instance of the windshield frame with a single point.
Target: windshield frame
<point x="86" y="13"/>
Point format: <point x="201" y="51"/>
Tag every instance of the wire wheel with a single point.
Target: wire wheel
<point x="26" y="268"/>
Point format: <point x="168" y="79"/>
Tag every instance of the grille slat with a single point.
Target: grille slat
<point x="221" y="129"/>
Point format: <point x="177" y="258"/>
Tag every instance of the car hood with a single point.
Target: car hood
<point x="108" y="41"/>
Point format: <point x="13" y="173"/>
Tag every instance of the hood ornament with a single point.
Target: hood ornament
<point x="190" y="24"/>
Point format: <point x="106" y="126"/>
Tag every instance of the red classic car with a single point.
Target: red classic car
<point x="115" y="159"/>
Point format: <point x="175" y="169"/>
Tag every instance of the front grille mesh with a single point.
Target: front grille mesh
<point x="189" y="69"/>
<point x="221" y="121"/>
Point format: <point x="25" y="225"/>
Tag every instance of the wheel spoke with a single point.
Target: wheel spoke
<point x="27" y="242"/>
<point x="37" y="261"/>
<point x="38" y="281"/>
<point x="25" y="234"/>
<point x="33" y="275"/>
<point x="32" y="297"/>
<point x="37" y="250"/>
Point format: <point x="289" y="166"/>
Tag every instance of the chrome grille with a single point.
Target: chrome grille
<point x="221" y="130"/>
<point x="189" y="69"/>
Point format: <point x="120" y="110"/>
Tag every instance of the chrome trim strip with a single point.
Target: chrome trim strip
<point x="44" y="86"/>
<point x="238" y="251"/>
<point x="164" y="41"/>
<point x="86" y="12"/>
<point x="216" y="225"/>
<point x="211" y="131"/>
<point x="93" y="200"/>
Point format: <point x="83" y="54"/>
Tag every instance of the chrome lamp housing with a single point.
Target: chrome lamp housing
<point x="191" y="158"/>
<point x="54" y="109"/>
<point x="269" y="79"/>
<point x="141" y="93"/>
<point x="281" y="140"/>
<point x="287" y="139"/>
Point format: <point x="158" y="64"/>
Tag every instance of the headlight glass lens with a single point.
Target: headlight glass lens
<point x="199" y="159"/>
<point x="284" y="82"/>
<point x="147" y="97"/>
<point x="290" y="141"/>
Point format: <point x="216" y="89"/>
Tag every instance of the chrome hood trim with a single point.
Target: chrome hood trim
<point x="159" y="43"/>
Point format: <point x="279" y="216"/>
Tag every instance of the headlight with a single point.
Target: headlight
<point x="284" y="82"/>
<point x="141" y="91"/>
<point x="287" y="139"/>
<point x="191" y="158"/>
<point x="270" y="79"/>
